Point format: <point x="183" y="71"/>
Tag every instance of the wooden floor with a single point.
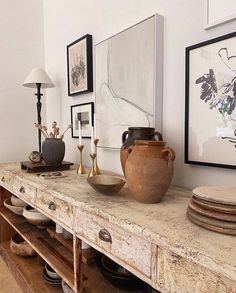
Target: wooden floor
<point x="7" y="282"/>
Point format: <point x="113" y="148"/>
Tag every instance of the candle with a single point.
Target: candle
<point x="95" y="128"/>
<point x="80" y="134"/>
<point x="92" y="141"/>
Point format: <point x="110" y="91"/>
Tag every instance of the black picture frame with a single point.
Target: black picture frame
<point x="88" y="119"/>
<point x="213" y="101"/>
<point x="80" y="66"/>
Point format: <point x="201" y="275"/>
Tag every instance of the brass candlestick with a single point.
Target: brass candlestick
<point x="92" y="171"/>
<point x="96" y="140"/>
<point x="81" y="169"/>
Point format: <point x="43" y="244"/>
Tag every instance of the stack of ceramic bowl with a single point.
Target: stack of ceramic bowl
<point x="119" y="276"/>
<point x="214" y="208"/>
<point x="15" y="205"/>
<point x="51" y="276"/>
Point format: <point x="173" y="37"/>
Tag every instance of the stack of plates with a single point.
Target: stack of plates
<point x="51" y="276"/>
<point x="214" y="208"/>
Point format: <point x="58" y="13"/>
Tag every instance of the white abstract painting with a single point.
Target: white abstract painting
<point x="125" y="82"/>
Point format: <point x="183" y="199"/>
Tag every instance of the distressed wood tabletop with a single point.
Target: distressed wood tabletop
<point x="164" y="223"/>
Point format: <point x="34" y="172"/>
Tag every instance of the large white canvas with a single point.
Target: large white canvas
<point x="218" y="11"/>
<point x="126" y="69"/>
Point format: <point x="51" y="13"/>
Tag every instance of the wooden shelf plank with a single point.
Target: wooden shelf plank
<point x="27" y="271"/>
<point x="88" y="255"/>
<point x="96" y="283"/>
<point x="52" y="251"/>
<point x="66" y="242"/>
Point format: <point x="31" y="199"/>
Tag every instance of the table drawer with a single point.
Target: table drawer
<point x="127" y="247"/>
<point x="24" y="190"/>
<point x="180" y="275"/>
<point x="5" y="179"/>
<point x="57" y="209"/>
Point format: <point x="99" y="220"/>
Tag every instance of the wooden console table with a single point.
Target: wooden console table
<point x="155" y="242"/>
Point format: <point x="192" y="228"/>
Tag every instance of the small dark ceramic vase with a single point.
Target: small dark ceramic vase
<point x="132" y="134"/>
<point x="53" y="151"/>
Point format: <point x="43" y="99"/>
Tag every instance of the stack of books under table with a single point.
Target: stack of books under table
<point x="214" y="208"/>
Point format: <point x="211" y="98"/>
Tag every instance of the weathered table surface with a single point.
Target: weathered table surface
<point x="164" y="224"/>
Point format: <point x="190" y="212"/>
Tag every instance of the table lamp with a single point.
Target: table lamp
<point x="38" y="78"/>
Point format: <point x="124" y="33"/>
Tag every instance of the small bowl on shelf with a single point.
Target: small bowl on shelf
<point x="51" y="273"/>
<point x="114" y="268"/>
<point x="50" y="280"/>
<point x="106" y="184"/>
<point x="17" y="202"/>
<point x="21" y="247"/>
<point x="16" y="210"/>
<point x="119" y="276"/>
<point x="36" y="218"/>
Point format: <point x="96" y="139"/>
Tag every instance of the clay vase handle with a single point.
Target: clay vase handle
<point x="124" y="135"/>
<point x="126" y="154"/>
<point x="170" y="154"/>
<point x="158" y="134"/>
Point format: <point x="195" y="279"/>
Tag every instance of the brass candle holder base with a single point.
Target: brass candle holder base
<point x="96" y="140"/>
<point x="81" y="169"/>
<point x="92" y="171"/>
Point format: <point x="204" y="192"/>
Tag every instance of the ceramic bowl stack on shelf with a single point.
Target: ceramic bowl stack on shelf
<point x="214" y="208"/>
<point x="51" y="276"/>
<point x="119" y="276"/>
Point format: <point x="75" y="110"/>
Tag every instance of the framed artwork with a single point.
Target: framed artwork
<point x="83" y="113"/>
<point x="80" y="66"/>
<point x="210" y="117"/>
<point x="128" y="70"/>
<point x="218" y="12"/>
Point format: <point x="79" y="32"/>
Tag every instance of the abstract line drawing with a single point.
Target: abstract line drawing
<point x="125" y="82"/>
<point x="210" y="131"/>
<point x="222" y="97"/>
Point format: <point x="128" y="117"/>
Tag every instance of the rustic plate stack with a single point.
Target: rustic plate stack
<point x="214" y="208"/>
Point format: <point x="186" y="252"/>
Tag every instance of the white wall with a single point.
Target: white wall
<point x="21" y="49"/>
<point x="65" y="21"/>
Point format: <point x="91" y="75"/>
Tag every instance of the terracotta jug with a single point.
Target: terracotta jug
<point x="149" y="170"/>
<point x="133" y="133"/>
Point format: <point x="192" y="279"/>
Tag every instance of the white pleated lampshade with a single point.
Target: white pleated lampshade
<point x="38" y="75"/>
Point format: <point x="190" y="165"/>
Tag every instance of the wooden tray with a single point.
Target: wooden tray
<point x="43" y="167"/>
<point x="214" y="206"/>
<point x="211" y="214"/>
<point x="211" y="227"/>
<point x="216" y="194"/>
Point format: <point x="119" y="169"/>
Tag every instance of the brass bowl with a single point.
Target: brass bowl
<point x="106" y="184"/>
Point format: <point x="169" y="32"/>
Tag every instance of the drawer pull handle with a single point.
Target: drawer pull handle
<point x="52" y="206"/>
<point x="22" y="189"/>
<point x="3" y="179"/>
<point x="104" y="235"/>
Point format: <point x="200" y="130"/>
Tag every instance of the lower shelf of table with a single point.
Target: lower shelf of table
<point x="96" y="283"/>
<point x="53" y="252"/>
<point x="27" y="271"/>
